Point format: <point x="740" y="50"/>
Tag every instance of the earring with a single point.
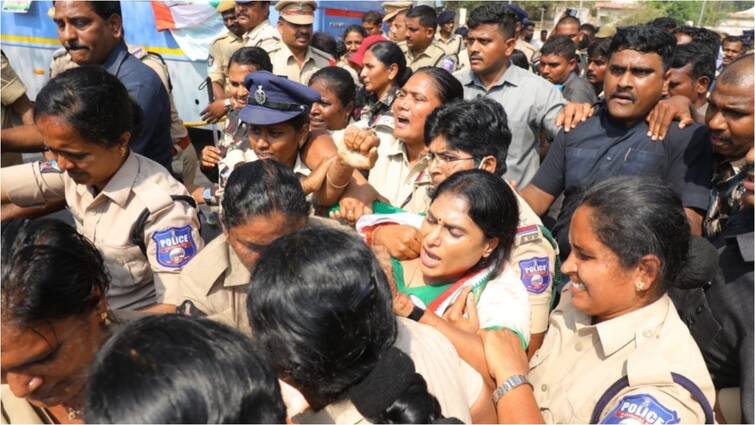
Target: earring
<point x="105" y="318"/>
<point x="639" y="286"/>
<point x="123" y="151"/>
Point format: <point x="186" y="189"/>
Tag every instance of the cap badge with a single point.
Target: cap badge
<point x="259" y="96"/>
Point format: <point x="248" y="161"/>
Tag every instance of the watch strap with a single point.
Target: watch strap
<point x="509" y="384"/>
<point x="417" y="313"/>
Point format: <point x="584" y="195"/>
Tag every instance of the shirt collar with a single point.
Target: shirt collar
<point x="643" y="322"/>
<point x="116" y="58"/>
<point x="511" y="76"/>
<point x="119" y="186"/>
<point x="236" y="274"/>
<point x="290" y="55"/>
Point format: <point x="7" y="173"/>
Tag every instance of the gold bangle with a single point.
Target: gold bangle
<point x="333" y="185"/>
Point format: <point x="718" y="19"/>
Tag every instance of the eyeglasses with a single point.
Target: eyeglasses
<point x="444" y="157"/>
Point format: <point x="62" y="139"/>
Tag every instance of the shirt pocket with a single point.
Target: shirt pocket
<point x="642" y="163"/>
<point x="577" y="164"/>
<point x="127" y="266"/>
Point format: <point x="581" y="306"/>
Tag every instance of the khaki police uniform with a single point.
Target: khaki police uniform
<point x="449" y="378"/>
<point x="170" y="233"/>
<point x="215" y="283"/>
<point x="343" y="63"/>
<point x="284" y="63"/>
<point x="526" y="48"/>
<point x="221" y="50"/>
<point x="11" y="90"/>
<point x="61" y="61"/>
<point x="579" y="361"/>
<point x="452" y="46"/>
<point x="264" y="36"/>
<point x="432" y="56"/>
<point x="392" y="176"/>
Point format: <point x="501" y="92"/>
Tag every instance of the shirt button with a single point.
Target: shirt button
<point x="699" y="309"/>
<point x="543" y="388"/>
<point x="608" y="158"/>
<point x="647" y="333"/>
<point x="578" y="346"/>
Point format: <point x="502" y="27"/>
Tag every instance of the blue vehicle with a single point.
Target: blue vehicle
<point x="29" y="39"/>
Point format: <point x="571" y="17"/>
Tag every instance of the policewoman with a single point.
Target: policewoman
<point x="616" y="350"/>
<point x="141" y="218"/>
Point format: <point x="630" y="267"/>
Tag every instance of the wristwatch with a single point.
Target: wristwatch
<point x="509" y="384"/>
<point x="207" y="196"/>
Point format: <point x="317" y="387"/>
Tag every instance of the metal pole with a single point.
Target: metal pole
<point x="702" y="11"/>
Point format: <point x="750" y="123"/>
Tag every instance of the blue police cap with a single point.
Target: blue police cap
<point x="274" y="99"/>
<point x="520" y="13"/>
<point x="446" y="16"/>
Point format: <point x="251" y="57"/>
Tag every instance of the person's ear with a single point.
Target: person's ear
<point x="702" y="85"/>
<point x="572" y="64"/>
<point x="393" y="71"/>
<point x="510" y="45"/>
<point x="489" y="246"/>
<point x="488" y="164"/>
<point x="647" y="273"/>
<point x="115" y="22"/>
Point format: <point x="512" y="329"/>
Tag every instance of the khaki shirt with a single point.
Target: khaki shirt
<point x="171" y="232"/>
<point x="263" y="36"/>
<point x="533" y="257"/>
<point x="579" y="361"/>
<point x="526" y="48"/>
<point x="343" y="63"/>
<point x="392" y="176"/>
<point x="449" y="378"/>
<point x="61" y="61"/>
<point x="221" y="50"/>
<point x="452" y="46"/>
<point x="284" y="63"/>
<point x="11" y="89"/>
<point x="431" y="56"/>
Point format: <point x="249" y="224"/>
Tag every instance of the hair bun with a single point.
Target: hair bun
<point x="389" y="378"/>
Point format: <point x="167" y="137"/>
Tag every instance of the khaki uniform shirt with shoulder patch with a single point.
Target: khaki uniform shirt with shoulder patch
<point x="392" y="176"/>
<point x="171" y="232"/>
<point x="61" y="61"/>
<point x="284" y="63"/>
<point x="449" y="378"/>
<point x="579" y="361"/>
<point x="263" y="36"/>
<point x="11" y="90"/>
<point x="431" y="56"/>
<point x="452" y="46"/>
<point x="221" y="51"/>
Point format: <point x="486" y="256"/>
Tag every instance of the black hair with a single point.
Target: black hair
<point x="339" y="81"/>
<point x="426" y="14"/>
<point x="261" y="188"/>
<point x="589" y="27"/>
<point x="599" y="48"/>
<point x="326" y="322"/>
<point x="529" y="24"/>
<point x="699" y="56"/>
<point x="494" y="13"/>
<point x="637" y="216"/>
<point x="373" y="17"/>
<point x="664" y="22"/>
<point x="49" y="271"/>
<point x="93" y="102"/>
<point x="355" y="28"/>
<point x="325" y="42"/>
<point x="733" y="39"/>
<point x="519" y="59"/>
<point x="478" y="127"/>
<point x="389" y="53"/>
<point x="448" y="87"/>
<point x="177" y="369"/>
<point x="252" y="56"/>
<point x="569" y="19"/>
<point x="702" y="35"/>
<point x="104" y="9"/>
<point x="560" y="45"/>
<point x="645" y="39"/>
<point x="492" y="206"/>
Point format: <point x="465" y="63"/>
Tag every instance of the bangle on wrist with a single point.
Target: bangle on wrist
<point x="335" y="186"/>
<point x="509" y="384"/>
<point x="416" y="314"/>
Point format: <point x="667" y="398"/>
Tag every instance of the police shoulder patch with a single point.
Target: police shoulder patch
<point x="49" y="166"/>
<point x="174" y="247"/>
<point x="535" y="274"/>
<point x="640" y="409"/>
<point x="527" y="234"/>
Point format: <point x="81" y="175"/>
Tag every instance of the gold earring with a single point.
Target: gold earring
<point x="105" y="318"/>
<point x="123" y="151"/>
<point x="639" y="286"/>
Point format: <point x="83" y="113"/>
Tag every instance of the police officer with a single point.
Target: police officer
<point x="445" y="38"/>
<point x="421" y="48"/>
<point x="252" y="18"/>
<point x="395" y="12"/>
<point x="130" y="207"/>
<point x="294" y="57"/>
<point x="15" y="105"/>
<point x="616" y="350"/>
<point x="263" y="201"/>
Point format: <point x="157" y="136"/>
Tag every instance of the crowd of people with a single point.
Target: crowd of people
<point x="420" y="224"/>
